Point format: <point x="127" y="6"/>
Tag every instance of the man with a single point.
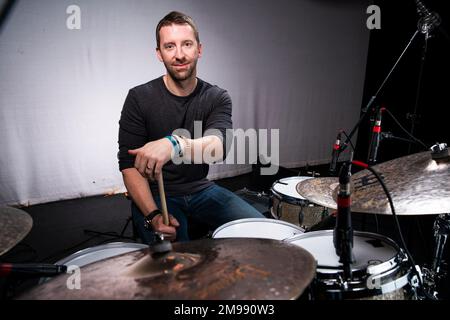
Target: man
<point x="148" y="145"/>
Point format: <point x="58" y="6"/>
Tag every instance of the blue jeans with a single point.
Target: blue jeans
<point x="213" y="207"/>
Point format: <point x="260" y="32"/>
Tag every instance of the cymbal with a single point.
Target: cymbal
<point x="14" y="225"/>
<point x="232" y="268"/>
<point x="418" y="185"/>
<point x="319" y="191"/>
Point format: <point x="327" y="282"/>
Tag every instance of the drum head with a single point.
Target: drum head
<point x="97" y="253"/>
<point x="368" y="249"/>
<point x="287" y="187"/>
<point x="257" y="228"/>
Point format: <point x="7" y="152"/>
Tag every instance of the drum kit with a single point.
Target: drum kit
<point x="243" y="258"/>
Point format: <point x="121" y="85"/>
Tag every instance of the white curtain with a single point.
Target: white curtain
<point x="297" y="66"/>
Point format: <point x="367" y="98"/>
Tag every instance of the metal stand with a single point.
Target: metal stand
<point x="114" y="234"/>
<point x="441" y="230"/>
<point x="433" y="275"/>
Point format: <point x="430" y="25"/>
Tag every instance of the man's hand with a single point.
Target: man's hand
<point x="151" y="157"/>
<point x="169" y="232"/>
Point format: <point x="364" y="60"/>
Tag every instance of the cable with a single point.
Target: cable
<point x="406" y="131"/>
<point x="349" y="140"/>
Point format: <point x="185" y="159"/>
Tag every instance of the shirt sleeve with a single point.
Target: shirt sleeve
<point x="132" y="131"/>
<point x="220" y="119"/>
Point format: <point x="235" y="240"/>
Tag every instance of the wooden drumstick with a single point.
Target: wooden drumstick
<point x="162" y="196"/>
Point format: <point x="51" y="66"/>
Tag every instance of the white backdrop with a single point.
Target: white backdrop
<point x="297" y="66"/>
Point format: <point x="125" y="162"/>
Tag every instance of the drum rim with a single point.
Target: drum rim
<point x="111" y="245"/>
<point x="245" y="220"/>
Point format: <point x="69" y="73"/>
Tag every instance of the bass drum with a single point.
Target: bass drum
<point x="381" y="270"/>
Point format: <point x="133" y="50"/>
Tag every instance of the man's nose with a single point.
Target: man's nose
<point x="179" y="53"/>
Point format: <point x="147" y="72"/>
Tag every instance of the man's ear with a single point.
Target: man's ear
<point x="200" y="50"/>
<point x="158" y="54"/>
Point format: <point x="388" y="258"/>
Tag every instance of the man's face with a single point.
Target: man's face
<point x="179" y="51"/>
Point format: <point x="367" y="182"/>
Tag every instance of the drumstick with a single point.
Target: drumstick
<point x="162" y="196"/>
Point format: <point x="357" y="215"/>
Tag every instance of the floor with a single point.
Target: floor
<point x="60" y="228"/>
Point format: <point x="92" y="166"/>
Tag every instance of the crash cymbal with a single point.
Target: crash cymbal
<point x="319" y="191"/>
<point x="417" y="183"/>
<point x="14" y="225"/>
<point x="211" y="269"/>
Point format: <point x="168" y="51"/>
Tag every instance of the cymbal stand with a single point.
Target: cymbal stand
<point x="435" y="273"/>
<point x="441" y="230"/>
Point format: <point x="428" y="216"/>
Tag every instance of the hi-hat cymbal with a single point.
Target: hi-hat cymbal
<point x="14" y="225"/>
<point x="319" y="191"/>
<point x="211" y="269"/>
<point x="417" y="183"/>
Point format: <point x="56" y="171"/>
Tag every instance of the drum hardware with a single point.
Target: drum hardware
<point x="343" y="231"/>
<point x="435" y="273"/>
<point x="197" y="270"/>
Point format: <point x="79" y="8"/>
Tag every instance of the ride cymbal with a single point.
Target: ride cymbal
<point x="418" y="185"/>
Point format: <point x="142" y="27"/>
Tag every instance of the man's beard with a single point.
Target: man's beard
<point x="181" y="76"/>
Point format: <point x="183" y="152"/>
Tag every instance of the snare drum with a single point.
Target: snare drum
<point x="257" y="228"/>
<point x="288" y="205"/>
<point x="381" y="270"/>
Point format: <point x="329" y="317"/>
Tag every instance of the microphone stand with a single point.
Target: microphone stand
<point x="343" y="231"/>
<point x="427" y="23"/>
<point x="375" y="96"/>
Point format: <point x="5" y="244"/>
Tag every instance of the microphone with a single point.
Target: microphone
<point x="429" y="19"/>
<point x="335" y="153"/>
<point x="376" y="137"/>
<point x="31" y="269"/>
<point x="343" y="231"/>
<point x="421" y="9"/>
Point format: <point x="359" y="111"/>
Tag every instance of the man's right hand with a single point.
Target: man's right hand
<point x="169" y="232"/>
<point x="151" y="157"/>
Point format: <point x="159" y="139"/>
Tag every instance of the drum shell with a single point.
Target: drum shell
<point x="293" y="208"/>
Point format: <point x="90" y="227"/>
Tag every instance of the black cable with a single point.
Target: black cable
<point x="406" y="131"/>
<point x="350" y="141"/>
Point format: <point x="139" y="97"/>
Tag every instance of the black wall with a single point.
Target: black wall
<point x="398" y="23"/>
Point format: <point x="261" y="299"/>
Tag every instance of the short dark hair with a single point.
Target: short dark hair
<point x="176" y="17"/>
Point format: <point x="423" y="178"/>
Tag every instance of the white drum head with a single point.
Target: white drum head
<point x="286" y="186"/>
<point x="368" y="249"/>
<point x="97" y="253"/>
<point x="257" y="228"/>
